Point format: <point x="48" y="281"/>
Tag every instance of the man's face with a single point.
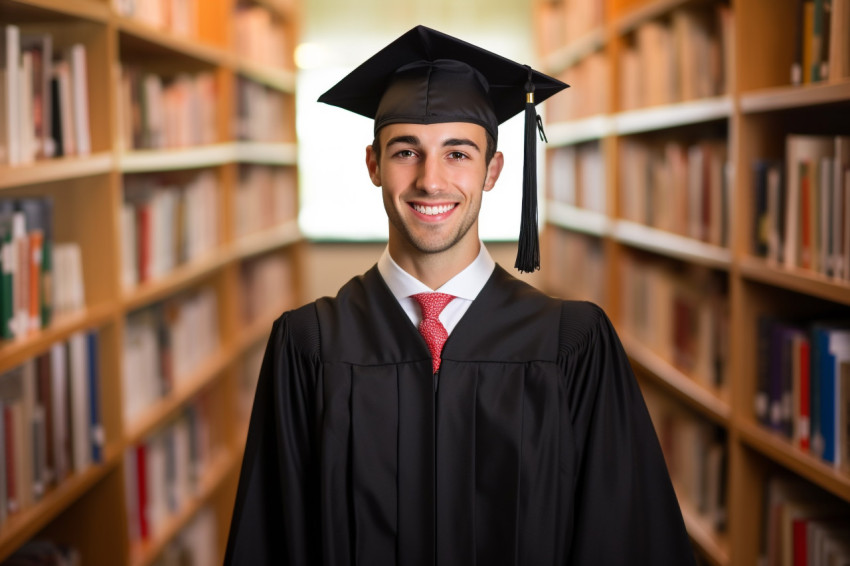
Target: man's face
<point x="433" y="177"/>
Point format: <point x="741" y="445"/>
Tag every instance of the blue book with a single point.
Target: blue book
<point x="97" y="435"/>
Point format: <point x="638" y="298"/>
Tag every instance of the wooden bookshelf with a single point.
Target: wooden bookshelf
<point x="753" y="112"/>
<point x="88" y="192"/>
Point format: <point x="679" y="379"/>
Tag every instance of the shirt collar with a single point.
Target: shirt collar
<point x="465" y="285"/>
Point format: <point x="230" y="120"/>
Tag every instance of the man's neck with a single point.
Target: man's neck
<point x="435" y="269"/>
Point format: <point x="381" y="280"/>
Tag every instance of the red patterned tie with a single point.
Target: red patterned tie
<point x="432" y="329"/>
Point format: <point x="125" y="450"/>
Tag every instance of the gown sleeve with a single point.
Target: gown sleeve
<point x="275" y="518"/>
<point x="626" y="511"/>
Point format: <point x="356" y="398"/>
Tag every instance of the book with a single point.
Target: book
<point x="802" y="152"/>
<point x="78" y="379"/>
<point x="98" y="439"/>
<point x="12" y="70"/>
<point x="80" y="106"/>
<point x="839" y="41"/>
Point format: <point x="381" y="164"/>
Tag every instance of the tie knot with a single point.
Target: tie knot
<point x="432" y="304"/>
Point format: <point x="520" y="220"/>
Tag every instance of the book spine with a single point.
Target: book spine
<point x="97" y="432"/>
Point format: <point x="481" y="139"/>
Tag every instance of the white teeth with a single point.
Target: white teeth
<point x="432" y="210"/>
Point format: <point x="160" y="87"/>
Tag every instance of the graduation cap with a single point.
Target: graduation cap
<point x="428" y="77"/>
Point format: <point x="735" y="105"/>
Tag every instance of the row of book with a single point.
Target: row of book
<point x="561" y="22"/>
<point x="166" y="222"/>
<point x="821" y="41"/>
<point x="685" y="58"/>
<point x="266" y="286"/>
<point x="165" y="112"/>
<point x="695" y="451"/>
<point x="164" y="344"/>
<point x="50" y="425"/>
<point x="801" y="207"/>
<point x="260" y="37"/>
<point x="44" y="107"/>
<point x="681" y="313"/>
<point x="195" y="545"/>
<point x="265" y="197"/>
<point x="165" y="470"/>
<point x="261" y="112"/>
<point x="802" y="525"/>
<point x="576" y="266"/>
<point x="803" y="388"/>
<point x="177" y="16"/>
<point x="39" y="279"/>
<point x="39" y="552"/>
<point x="679" y="187"/>
<point x="593" y="73"/>
<point x="577" y="176"/>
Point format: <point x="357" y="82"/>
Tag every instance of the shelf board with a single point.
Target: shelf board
<point x="582" y="130"/>
<point x="184" y="389"/>
<point x="274" y="77"/>
<point x="17" y="351"/>
<point x="265" y="241"/>
<point x="577" y="219"/>
<point x="152" y="160"/>
<point x="669" y="244"/>
<point x="55" y="170"/>
<point x="786" y="97"/>
<point x="262" y="153"/>
<point x="705" y="399"/>
<point x="647" y="11"/>
<point x="779" y="449"/>
<point x="577" y="50"/>
<point x="673" y="115"/>
<point x="22" y="526"/>
<point x="223" y="462"/>
<point x="148" y="38"/>
<point x="714" y="545"/>
<point x="796" y="279"/>
<point x="180" y="278"/>
<point x="39" y="10"/>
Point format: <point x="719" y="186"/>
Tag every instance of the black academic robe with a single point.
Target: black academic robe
<point x="535" y="449"/>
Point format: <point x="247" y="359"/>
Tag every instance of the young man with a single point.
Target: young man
<point x="483" y="423"/>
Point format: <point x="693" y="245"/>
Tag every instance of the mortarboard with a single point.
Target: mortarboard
<point x="427" y="77"/>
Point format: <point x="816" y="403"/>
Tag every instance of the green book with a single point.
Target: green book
<point x="7" y="268"/>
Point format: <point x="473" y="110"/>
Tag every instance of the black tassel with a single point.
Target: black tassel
<point x="528" y="248"/>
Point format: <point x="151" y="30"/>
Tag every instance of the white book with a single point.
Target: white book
<point x="79" y="83"/>
<point x="79" y="378"/>
<point x="840" y="219"/>
<point x="20" y="278"/>
<point x="799" y="148"/>
<point x="26" y="118"/>
<point x="58" y="407"/>
<point x="825" y="202"/>
<point x="129" y="247"/>
<point x="11" y="63"/>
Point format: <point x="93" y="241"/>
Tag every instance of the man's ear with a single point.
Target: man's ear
<point x="494" y="169"/>
<point x="373" y="166"/>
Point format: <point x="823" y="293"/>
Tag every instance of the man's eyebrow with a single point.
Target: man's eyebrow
<point x="461" y="141"/>
<point x="410" y="140"/>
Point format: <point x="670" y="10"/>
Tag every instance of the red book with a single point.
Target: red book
<point x="805" y="372"/>
<point x="143" y="241"/>
<point x="800" y="542"/>
<point x="142" y="491"/>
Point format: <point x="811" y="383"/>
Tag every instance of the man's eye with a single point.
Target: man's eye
<point x="457" y="155"/>
<point x="405" y="153"/>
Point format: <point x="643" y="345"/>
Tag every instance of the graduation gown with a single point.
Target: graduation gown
<point x="535" y="449"/>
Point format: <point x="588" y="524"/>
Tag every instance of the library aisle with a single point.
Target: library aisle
<point x="148" y="227"/>
<point x="719" y="133"/>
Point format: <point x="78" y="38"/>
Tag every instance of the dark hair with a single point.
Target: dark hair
<point x="488" y="153"/>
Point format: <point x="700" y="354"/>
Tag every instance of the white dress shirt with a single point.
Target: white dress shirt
<point x="464" y="286"/>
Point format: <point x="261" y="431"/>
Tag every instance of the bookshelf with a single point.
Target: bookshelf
<point x="655" y="112"/>
<point x="205" y="106"/>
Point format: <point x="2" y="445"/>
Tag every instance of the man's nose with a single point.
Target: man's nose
<point x="430" y="177"/>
